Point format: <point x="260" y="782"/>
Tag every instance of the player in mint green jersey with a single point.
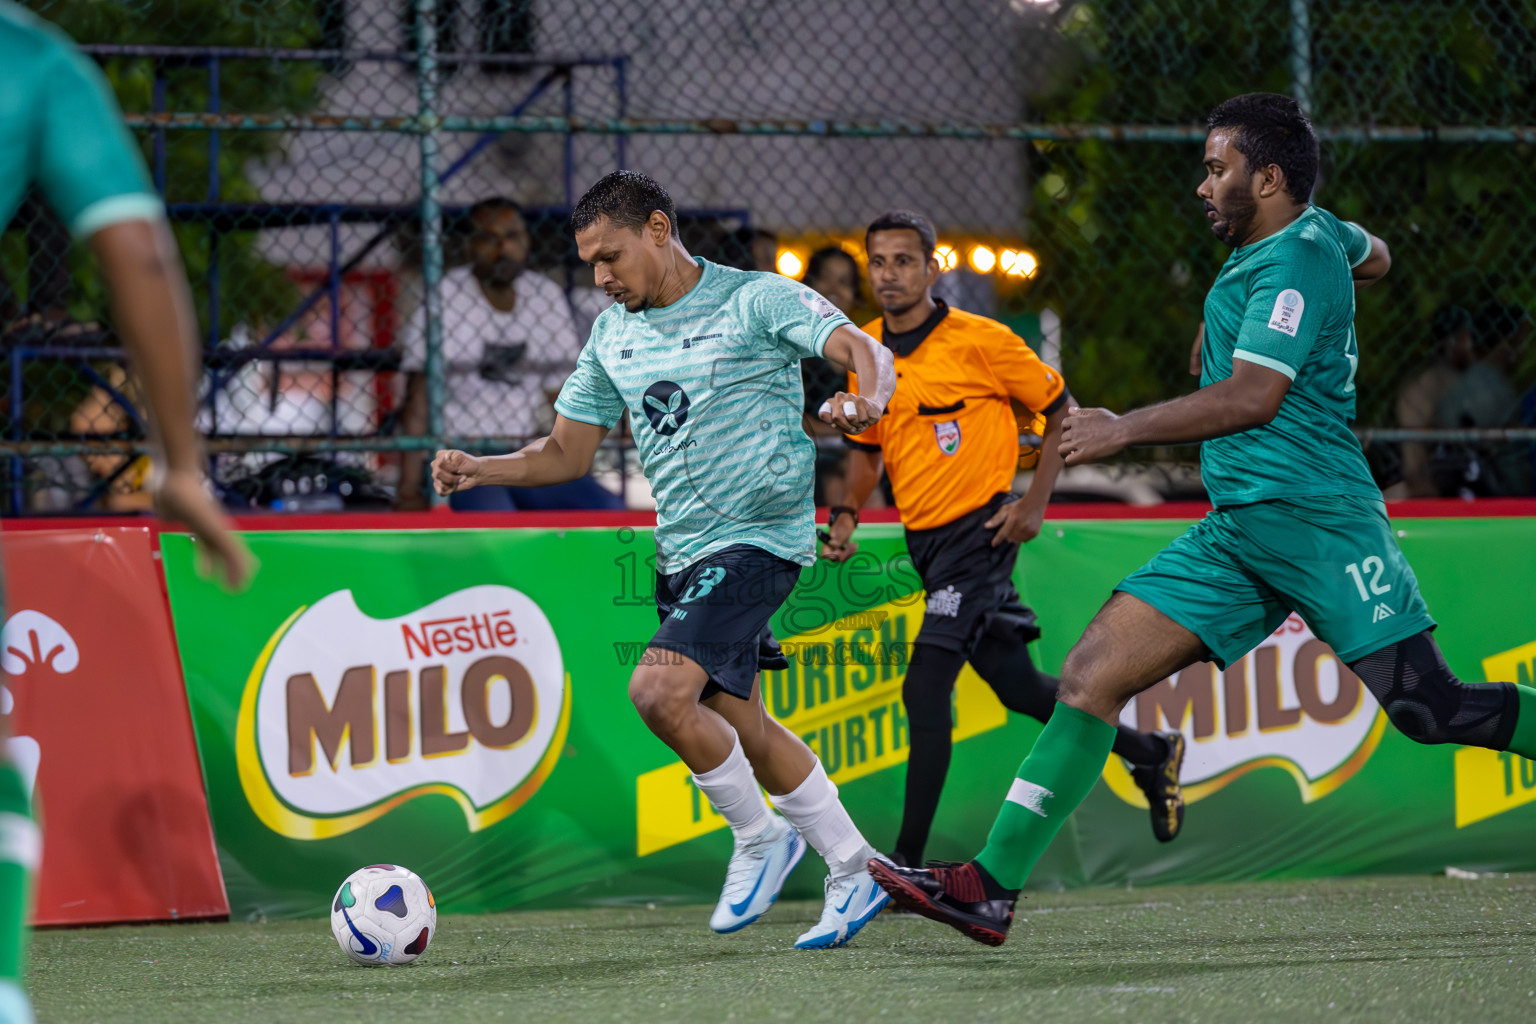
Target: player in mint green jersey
<point x="1298" y="524"/>
<point x="60" y="129"/>
<point x="705" y="363"/>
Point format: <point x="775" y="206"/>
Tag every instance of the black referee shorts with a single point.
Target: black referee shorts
<point x="716" y="612"/>
<point x="969" y="582"/>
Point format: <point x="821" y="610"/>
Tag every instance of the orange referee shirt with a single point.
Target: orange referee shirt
<point x="950" y="437"/>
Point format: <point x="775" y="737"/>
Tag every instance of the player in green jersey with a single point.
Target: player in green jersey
<point x="704" y="362"/>
<point x="1298" y="524"/>
<point x="60" y="129"/>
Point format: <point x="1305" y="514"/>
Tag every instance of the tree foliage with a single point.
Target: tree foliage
<point x="1125" y="252"/>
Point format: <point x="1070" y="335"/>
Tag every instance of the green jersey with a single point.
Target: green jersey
<point x="712" y="388"/>
<point x="1288" y="303"/>
<point x="61" y="129"/>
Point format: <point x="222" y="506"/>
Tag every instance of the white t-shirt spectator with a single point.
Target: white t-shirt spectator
<point x="498" y="366"/>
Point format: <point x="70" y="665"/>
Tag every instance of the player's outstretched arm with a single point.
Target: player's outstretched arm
<point x="1375" y="266"/>
<point x="152" y="310"/>
<point x="1249" y="398"/>
<point x="565" y="455"/>
<point x="871" y="361"/>
<point x="1019" y="522"/>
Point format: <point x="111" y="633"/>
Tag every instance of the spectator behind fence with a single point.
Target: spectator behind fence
<point x="1484" y="397"/>
<point x="509" y="342"/>
<point x="1455" y="350"/>
<point x="126" y="477"/>
<point x="835" y="275"/>
<point x="750" y="249"/>
<point x="287" y="397"/>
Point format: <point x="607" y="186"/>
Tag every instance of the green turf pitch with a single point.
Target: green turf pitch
<point x="1377" y="949"/>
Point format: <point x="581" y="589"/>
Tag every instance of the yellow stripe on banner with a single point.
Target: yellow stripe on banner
<point x="846" y="706"/>
<point x="1490" y="782"/>
<point x="1517" y="665"/>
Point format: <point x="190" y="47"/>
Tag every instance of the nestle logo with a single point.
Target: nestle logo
<point x="462" y="633"/>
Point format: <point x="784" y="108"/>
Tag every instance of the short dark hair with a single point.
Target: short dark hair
<point x="628" y="198"/>
<point x="493" y="204"/>
<point x="906" y="220"/>
<point x="1272" y="129"/>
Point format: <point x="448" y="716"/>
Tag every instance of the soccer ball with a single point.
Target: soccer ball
<point x="383" y="916"/>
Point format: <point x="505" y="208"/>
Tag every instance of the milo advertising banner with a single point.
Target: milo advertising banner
<point x="456" y="701"/>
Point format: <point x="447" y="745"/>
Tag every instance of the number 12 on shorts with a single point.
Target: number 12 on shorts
<point x="1375" y="567"/>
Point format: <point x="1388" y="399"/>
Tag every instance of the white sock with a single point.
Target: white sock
<point x="815" y="810"/>
<point x="733" y="791"/>
<point x="14" y="1007"/>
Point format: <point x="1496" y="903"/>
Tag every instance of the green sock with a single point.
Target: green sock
<point x="19" y="849"/>
<point x="1523" y="741"/>
<point x="1056" y="776"/>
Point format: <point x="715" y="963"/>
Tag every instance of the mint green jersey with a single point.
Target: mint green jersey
<point x="1288" y="303"/>
<point x="61" y="129"/>
<point x="711" y="384"/>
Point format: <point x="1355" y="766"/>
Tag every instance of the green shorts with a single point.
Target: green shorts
<point x="1235" y="576"/>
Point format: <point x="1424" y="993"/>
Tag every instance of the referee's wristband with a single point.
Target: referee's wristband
<point x="838" y="510"/>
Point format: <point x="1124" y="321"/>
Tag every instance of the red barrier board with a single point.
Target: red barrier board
<point x="99" y="718"/>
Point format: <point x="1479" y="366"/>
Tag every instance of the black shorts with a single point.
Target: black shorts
<point x="716" y="612"/>
<point x="969" y="582"/>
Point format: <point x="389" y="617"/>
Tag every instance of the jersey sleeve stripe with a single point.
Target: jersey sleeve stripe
<point x="1056" y="403"/>
<point x="588" y="419"/>
<point x="819" y="345"/>
<point x="115" y="210"/>
<point x="1367" y="254"/>
<point x="1265" y="361"/>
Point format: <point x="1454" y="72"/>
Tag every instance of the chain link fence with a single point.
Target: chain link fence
<point x="326" y="165"/>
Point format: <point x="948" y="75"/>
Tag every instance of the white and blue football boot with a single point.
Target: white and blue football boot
<point x="852" y="902"/>
<point x="756" y="875"/>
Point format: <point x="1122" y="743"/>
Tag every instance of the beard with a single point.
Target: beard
<point x="900" y="309"/>
<point x="1235" y="222"/>
<point x="638" y="304"/>
<point x="502" y="273"/>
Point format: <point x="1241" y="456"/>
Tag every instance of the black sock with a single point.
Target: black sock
<point x="992" y="887"/>
<point x="1007" y="667"/>
<point x="1005" y="664"/>
<point x="1140" y="748"/>
<point x="925" y="692"/>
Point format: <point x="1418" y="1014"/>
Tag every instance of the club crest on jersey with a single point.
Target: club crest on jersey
<point x="813" y="301"/>
<point x="666" y="406"/>
<point x="947" y="434"/>
<point x="1286" y="315"/>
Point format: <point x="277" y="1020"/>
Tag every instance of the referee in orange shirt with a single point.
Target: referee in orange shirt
<point x="949" y="440"/>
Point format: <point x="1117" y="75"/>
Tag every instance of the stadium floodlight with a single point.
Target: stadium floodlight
<point x="789" y="263"/>
<point x="1018" y="263"/>
<point x="948" y="258"/>
<point x="983" y="259"/>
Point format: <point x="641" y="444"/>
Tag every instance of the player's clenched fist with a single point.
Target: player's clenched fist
<point x="852" y="414"/>
<point x="453" y="470"/>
